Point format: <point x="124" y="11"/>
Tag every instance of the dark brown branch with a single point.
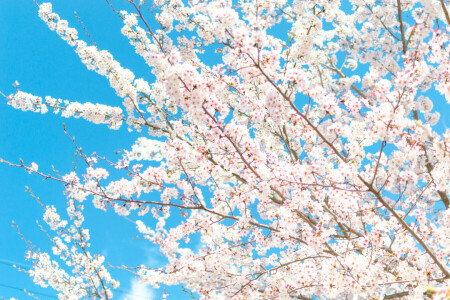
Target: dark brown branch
<point x="447" y="16"/>
<point x="402" y="28"/>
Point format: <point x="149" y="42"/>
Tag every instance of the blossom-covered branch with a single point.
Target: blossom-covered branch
<point x="310" y="164"/>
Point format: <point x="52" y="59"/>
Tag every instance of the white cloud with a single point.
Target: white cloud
<point x="140" y="291"/>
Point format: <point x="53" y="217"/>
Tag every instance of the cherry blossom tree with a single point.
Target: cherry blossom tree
<point x="307" y="158"/>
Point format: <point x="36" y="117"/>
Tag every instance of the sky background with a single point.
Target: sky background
<point x="44" y="65"/>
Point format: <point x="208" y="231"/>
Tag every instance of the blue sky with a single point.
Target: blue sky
<point x="45" y="65"/>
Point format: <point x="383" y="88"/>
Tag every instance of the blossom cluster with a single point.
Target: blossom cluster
<point x="88" y="276"/>
<point x="309" y="166"/>
<point x="95" y="113"/>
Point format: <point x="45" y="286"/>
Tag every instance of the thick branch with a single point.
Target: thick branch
<point x="402" y="29"/>
<point x="406" y="226"/>
<point x="447" y="16"/>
